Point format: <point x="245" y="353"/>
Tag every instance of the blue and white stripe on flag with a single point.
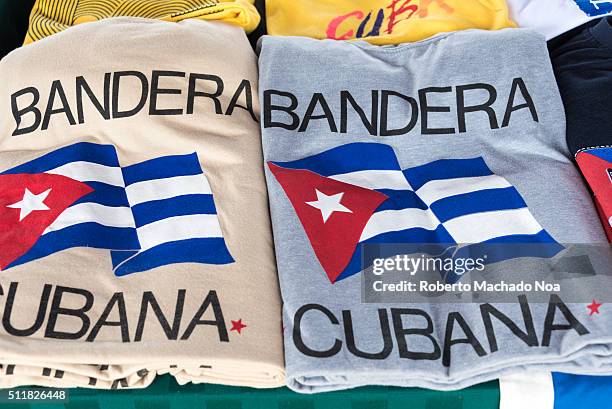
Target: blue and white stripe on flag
<point x="175" y="215"/>
<point x="450" y="201"/>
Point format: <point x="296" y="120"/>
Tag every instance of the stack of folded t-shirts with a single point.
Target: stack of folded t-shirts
<point x="456" y="139"/>
<point x="134" y="225"/>
<point x="52" y="16"/>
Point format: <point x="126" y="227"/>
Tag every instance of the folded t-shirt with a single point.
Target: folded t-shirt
<point x="134" y="227"/>
<point x="544" y="390"/>
<point x="554" y="17"/>
<point x="52" y="16"/>
<point x="421" y="143"/>
<point x="382" y="21"/>
<point x="582" y="60"/>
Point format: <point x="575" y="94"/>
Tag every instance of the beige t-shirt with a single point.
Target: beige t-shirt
<point x="134" y="224"/>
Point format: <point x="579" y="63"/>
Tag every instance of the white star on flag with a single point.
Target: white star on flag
<point x="30" y="203"/>
<point x="329" y="204"/>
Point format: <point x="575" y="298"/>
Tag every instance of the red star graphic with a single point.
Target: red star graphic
<point x="237" y="326"/>
<point x="594" y="307"/>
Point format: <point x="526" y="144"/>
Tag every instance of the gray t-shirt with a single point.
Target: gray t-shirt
<point x="456" y="139"/>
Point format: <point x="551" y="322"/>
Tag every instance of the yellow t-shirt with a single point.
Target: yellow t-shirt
<point x="383" y="21"/>
<point x="52" y="16"/>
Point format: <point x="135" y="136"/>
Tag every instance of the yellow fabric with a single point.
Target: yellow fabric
<point x="383" y="22"/>
<point x="52" y="16"/>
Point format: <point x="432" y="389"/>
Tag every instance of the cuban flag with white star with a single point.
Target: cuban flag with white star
<point x="357" y="193"/>
<point x="150" y="214"/>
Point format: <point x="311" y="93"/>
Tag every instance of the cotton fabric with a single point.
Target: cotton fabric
<point x="339" y="176"/>
<point x="159" y="252"/>
<point x="554" y="391"/>
<point x="582" y="60"/>
<point x="555" y="17"/>
<point x="382" y="21"/>
<point x="520" y="390"/>
<point x="52" y="16"/>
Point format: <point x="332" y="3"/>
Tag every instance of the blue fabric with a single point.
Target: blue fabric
<point x="582" y="391"/>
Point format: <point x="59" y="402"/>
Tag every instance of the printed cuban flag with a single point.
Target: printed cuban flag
<point x="593" y="8"/>
<point x="80" y="196"/>
<point x="175" y="216"/>
<point x="357" y="193"/>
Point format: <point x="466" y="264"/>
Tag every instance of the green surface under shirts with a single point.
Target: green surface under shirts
<point x="165" y="393"/>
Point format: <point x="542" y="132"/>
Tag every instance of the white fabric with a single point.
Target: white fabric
<point x="527" y="390"/>
<point x="554" y="17"/>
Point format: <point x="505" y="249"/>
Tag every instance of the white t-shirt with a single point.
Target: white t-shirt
<point x="554" y="17"/>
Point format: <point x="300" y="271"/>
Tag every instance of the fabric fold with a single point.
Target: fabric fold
<point x="52" y="16"/>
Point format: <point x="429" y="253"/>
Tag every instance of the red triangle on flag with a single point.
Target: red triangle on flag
<point x="598" y="174"/>
<point x="29" y="203"/>
<point x="333" y="214"/>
